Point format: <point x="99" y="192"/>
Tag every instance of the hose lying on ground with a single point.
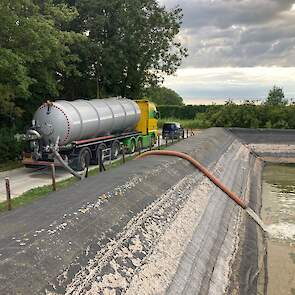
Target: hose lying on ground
<point x="65" y="165"/>
<point x="214" y="179"/>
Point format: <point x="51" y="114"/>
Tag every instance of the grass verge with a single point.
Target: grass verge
<point x="10" y="165"/>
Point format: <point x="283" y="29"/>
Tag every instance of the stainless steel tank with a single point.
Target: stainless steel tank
<point x="82" y="119"/>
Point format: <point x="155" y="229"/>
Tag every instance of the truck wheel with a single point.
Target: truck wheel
<point x="115" y="149"/>
<point x="139" y="145"/>
<point x="83" y="159"/>
<point x="132" y="146"/>
<point x="100" y="148"/>
<point x="153" y="139"/>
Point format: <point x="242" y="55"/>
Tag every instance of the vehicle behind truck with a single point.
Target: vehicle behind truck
<point x="79" y="131"/>
<point x="172" y="130"/>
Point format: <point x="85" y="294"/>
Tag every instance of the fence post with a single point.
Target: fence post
<point x="123" y="153"/>
<point x="173" y="137"/>
<point x="166" y="141"/>
<point x="101" y="165"/>
<point x="186" y="133"/>
<point x="87" y="170"/>
<point x="150" y="143"/>
<point x="159" y="144"/>
<point x="8" y="193"/>
<point x="53" y="177"/>
<point x="139" y="149"/>
<point x="110" y="157"/>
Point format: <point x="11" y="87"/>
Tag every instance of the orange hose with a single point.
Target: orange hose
<point x="201" y="168"/>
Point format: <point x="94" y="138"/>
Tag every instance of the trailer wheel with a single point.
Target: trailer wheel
<point x="100" y="149"/>
<point x="153" y="140"/>
<point x="83" y="159"/>
<point x="115" y="149"/>
<point x="132" y="146"/>
<point x="139" y="145"/>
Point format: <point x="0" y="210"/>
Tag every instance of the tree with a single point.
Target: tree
<point x="82" y="49"/>
<point x="276" y="97"/>
<point x="130" y="45"/>
<point x="34" y="54"/>
<point x="163" y="96"/>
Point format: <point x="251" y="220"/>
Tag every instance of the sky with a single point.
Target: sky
<point x="238" y="49"/>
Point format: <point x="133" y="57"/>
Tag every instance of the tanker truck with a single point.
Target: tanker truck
<point x="77" y="133"/>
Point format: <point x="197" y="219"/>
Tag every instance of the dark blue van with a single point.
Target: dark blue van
<point x="172" y="130"/>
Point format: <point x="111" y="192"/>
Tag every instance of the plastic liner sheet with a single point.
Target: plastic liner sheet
<point x="151" y="226"/>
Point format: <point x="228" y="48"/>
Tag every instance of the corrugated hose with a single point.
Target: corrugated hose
<point x="238" y="200"/>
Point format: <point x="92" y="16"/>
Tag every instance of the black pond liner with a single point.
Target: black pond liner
<point x="45" y="244"/>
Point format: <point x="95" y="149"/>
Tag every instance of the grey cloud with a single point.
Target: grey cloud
<point x="269" y="33"/>
<point x="238" y="33"/>
<point x="224" y="13"/>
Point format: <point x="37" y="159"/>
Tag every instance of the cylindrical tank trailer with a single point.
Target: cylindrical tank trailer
<point x="67" y="121"/>
<point x="89" y="125"/>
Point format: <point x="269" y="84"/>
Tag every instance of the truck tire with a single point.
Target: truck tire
<point x="115" y="149"/>
<point x="153" y="139"/>
<point x="83" y="160"/>
<point x="139" y="145"/>
<point x="132" y="146"/>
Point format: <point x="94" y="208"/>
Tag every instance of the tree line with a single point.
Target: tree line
<point x="274" y="112"/>
<point x="82" y="49"/>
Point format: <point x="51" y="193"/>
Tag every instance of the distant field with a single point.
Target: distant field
<point x="190" y="124"/>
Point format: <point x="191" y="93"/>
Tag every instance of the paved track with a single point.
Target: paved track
<point x="24" y="179"/>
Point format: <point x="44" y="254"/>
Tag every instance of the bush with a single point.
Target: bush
<point x="247" y="115"/>
<point x="187" y="112"/>
<point x="10" y="147"/>
<point x="188" y="124"/>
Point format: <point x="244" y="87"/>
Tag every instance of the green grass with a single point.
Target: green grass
<point x="189" y="124"/>
<point x="10" y="165"/>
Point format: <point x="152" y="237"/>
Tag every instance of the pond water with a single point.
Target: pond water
<point x="278" y="214"/>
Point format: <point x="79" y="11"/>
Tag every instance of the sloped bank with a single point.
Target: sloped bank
<point x="269" y="145"/>
<point x="152" y="226"/>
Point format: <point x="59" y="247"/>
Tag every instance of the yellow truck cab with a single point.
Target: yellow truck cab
<point x="147" y="126"/>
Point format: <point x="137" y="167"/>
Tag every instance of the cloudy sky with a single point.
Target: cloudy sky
<point x="238" y="49"/>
